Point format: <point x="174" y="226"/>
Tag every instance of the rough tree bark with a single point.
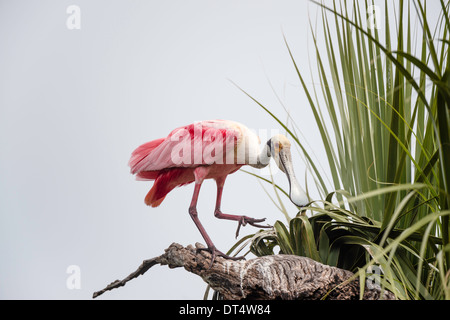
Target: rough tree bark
<point x="271" y="277"/>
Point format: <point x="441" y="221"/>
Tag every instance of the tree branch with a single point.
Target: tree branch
<point x="270" y="277"/>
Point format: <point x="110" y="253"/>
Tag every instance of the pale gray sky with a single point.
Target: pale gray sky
<point x="75" y="103"/>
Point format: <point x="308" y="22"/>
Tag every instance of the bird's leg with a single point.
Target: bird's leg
<point x="200" y="174"/>
<point x="243" y="220"/>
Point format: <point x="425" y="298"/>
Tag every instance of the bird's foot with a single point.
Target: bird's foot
<point x="216" y="253"/>
<point x="251" y="221"/>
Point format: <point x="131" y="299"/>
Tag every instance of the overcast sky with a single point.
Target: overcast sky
<point x="74" y="104"/>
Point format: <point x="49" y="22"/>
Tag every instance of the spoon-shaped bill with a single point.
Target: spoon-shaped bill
<point x="296" y="193"/>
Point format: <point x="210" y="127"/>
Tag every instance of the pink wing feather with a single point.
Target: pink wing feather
<point x="141" y="153"/>
<point x="207" y="142"/>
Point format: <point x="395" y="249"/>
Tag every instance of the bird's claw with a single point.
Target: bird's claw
<point x="251" y="221"/>
<point x="216" y="253"/>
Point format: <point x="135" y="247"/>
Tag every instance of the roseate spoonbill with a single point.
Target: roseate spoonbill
<point x="210" y="150"/>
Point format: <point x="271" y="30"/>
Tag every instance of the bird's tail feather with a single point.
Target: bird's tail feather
<point x="151" y="198"/>
<point x="161" y="187"/>
<point x="165" y="182"/>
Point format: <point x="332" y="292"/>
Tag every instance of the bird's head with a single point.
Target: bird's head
<point x="280" y="149"/>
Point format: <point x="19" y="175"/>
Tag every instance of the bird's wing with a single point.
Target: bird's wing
<point x="201" y="143"/>
<point x="141" y="152"/>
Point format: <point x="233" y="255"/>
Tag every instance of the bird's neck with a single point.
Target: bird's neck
<point x="263" y="158"/>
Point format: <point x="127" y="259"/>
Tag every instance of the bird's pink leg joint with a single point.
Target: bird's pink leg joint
<point x="243" y="220"/>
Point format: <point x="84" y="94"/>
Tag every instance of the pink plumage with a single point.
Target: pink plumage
<point x="141" y="152"/>
<point x="164" y="161"/>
